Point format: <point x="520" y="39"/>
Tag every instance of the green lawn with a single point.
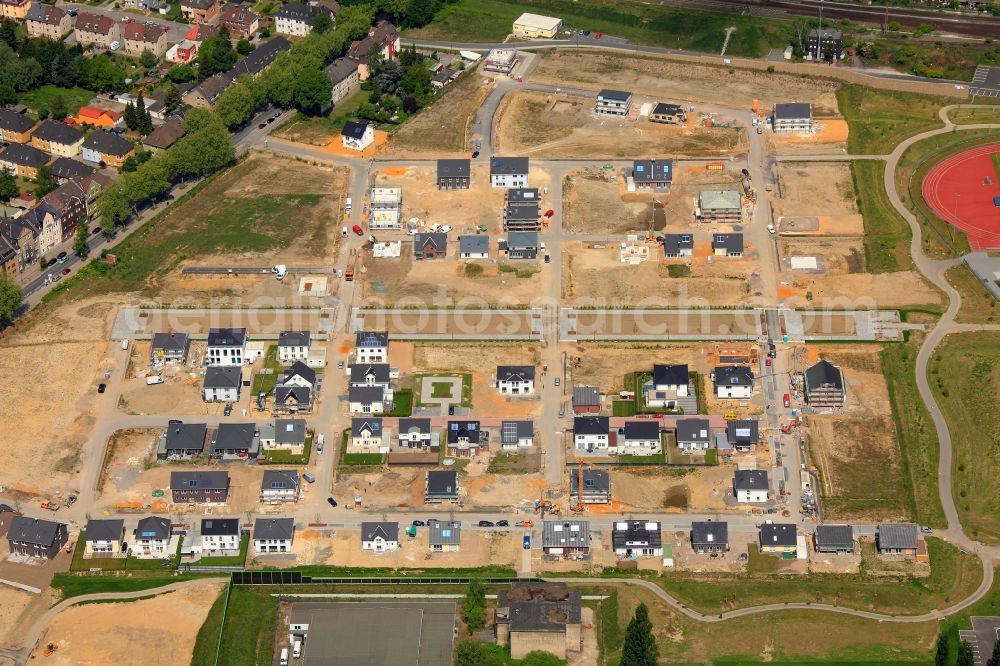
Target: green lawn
<point x="263" y="382"/>
<point x="364" y="459"/>
<point x="207" y="641"/>
<point x="79" y="563"/>
<point x="402" y="403"/>
<point x="887" y="235"/>
<point x="880" y="119"/>
<point x="286" y="457"/>
<point x="996" y="161"/>
<point x="440" y="389"/>
<point x="250" y="622"/>
<point x="227" y="560"/>
<point x="978" y="304"/>
<point x="74" y="585"/>
<point x="965" y="376"/>
<point x="623" y="408"/>
<point x="43" y="97"/>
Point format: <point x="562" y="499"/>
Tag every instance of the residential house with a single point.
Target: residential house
<point x="104" y="538"/>
<point x="164" y="136"/>
<point x="693" y="434"/>
<point x="198" y="487"/>
<point x="653" y="175"/>
<point x="825" y="44"/>
<point x="443" y="77"/>
<point x="639" y="438"/>
<point x="566" y="537"/>
<point x="743" y="434"/>
<point x="169" y="348"/>
<point x="286" y="434"/>
<point x="296" y="19"/>
<point x="293" y="346"/>
<point x="108" y="149"/>
<point x="591" y="434"/>
<point x="671" y="114"/>
<point x="733" y="381"/>
<point x="535" y="26"/>
<point x="441" y="486"/>
<point x="23" y="160"/>
<point x="371" y="347"/>
<point x="792" y="117"/>
<point x="206" y="93"/>
<point x="474" y="247"/>
<point x="368" y="436"/>
<point x="220" y="536"/>
<point x="751" y="486"/>
<point x="416" y="433"/>
<point x="273" y="535"/>
<point x="596" y="487"/>
<point x="834" y="539"/>
<point x="182" y="440"/>
<point x="509" y="171"/>
<point x="637" y="538"/>
<point x="367" y="400"/>
<point x="200" y="11"/>
<point x="101" y="118"/>
<point x="676" y="246"/>
<point x="48" y="22"/>
<point x="379" y="537"/>
<point x="465" y="438"/>
<point x="295" y="390"/>
<point x="151" y="538"/>
<point x="222" y="384"/>
<point x="897" y="539"/>
<point x="719" y="206"/>
<point x="727" y="245"/>
<point x="141" y="37"/>
<point x="370" y="374"/>
<point x="386" y="208"/>
<point x="522" y="209"/>
<point x="517" y="434"/>
<point x="454" y="174"/>
<point x="65" y="169"/>
<point x="515" y="379"/>
<point x="357" y="136"/>
<point x="613" y="103"/>
<point x="383" y="38"/>
<point x="535" y="616"/>
<point x="825" y="386"/>
<point x="15" y="127"/>
<point x="199" y="32"/>
<point x="586" y="400"/>
<point x="345" y="76"/>
<point x="444" y="536"/>
<point x="16" y="10"/>
<point x="235" y="439"/>
<point x="668" y="383"/>
<point x="226" y="347"/>
<point x="778" y="538"/>
<point x="522" y="244"/>
<point x="709" y="537"/>
<point x="280" y="485"/>
<point x="500" y="61"/>
<point x="58" y="214"/>
<point x="97" y="30"/>
<point x="182" y="52"/>
<point x="241" y="21"/>
<point x="431" y="245"/>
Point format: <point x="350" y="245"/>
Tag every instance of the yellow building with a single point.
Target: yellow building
<point x="14" y="9"/>
<point x="534" y="26"/>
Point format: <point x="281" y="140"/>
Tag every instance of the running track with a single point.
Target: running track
<point x="955" y="189"/>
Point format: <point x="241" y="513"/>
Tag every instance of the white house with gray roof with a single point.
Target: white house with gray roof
<point x="444" y="536"/>
<point x="613" y="103"/>
<point x="566" y="537"/>
<point x="371" y="347"/>
<point x="169" y="348"/>
<point x="293" y="346"/>
<point x="151" y="537"/>
<point x="104" y="538"/>
<point x="226" y="347"/>
<point x="222" y="384"/>
<point x="474" y="247"/>
<point x="287" y="434"/>
<point x="379" y="537"/>
<point x="515" y="379"/>
<point x="218" y="536"/>
<point x="750" y="486"/>
<point x="733" y="381"/>
<point x="280" y="485"/>
<point x="182" y="440"/>
<point x="273" y="535"/>
<point x="727" y="245"/>
<point x="517" y="434"/>
<point x="509" y="171"/>
<point x="368" y="436"/>
<point x="693" y="434"/>
<point x="522" y="245"/>
<point x="792" y="117"/>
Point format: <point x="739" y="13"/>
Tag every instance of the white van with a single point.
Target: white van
<point x="283" y="659"/>
<point x="297" y="650"/>
<point x="125" y="343"/>
<point x="343" y="232"/>
<point x="319" y="444"/>
<point x="154" y="379"/>
<point x="347" y="204"/>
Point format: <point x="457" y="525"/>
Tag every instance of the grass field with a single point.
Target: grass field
<point x="887" y="235"/>
<point x="286" y="457"/>
<point x="445" y="125"/>
<point x="965" y="376"/>
<point x="43" y="97"/>
<point x="639" y="22"/>
<point x="978" y="305"/>
<point x="248" y="633"/>
<point x="75" y="585"/>
<point x="207" y="641"/>
<point x="880" y="119"/>
<point x="263" y="382"/>
<point x="974" y="116"/>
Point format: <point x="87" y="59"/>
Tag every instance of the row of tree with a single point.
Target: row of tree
<point x="406" y="13"/>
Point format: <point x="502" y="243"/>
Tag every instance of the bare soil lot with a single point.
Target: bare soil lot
<point x="885" y="290"/>
<point x="13" y="603"/>
<point x="344" y="549"/>
<point x="604" y="365"/>
<point x="127" y="454"/>
<point x="165" y="627"/>
<point x="550" y="125"/>
<point x="830" y="137"/>
<point x="244" y="494"/>
<point x="593" y="204"/>
<point x="818" y="190"/>
<point x="446" y="125"/>
<point x="840" y="256"/>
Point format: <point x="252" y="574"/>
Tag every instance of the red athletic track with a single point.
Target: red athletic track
<point x="964" y="174"/>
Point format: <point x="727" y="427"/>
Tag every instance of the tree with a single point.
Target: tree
<point x="322" y="23"/>
<point x="469" y="653"/>
<point x="80" y="246"/>
<point x="237" y="103"/>
<point x="244" y="47"/>
<point x="474" y="606"/>
<point x="148" y="59"/>
<point x="44" y="182"/>
<point x="965" y="656"/>
<point x="416" y="81"/>
<point x="539" y="658"/>
<point x="133" y="163"/>
<point x="58" y="108"/>
<point x="181" y="73"/>
<point x="312" y="90"/>
<point x="995" y="659"/>
<point x="128" y="115"/>
<point x="10" y="299"/>
<point x="143" y="119"/>
<point x="941" y="651"/>
<point x="640" y="646"/>
<point x="102" y="74"/>
<point x="216" y="55"/>
<point x="8" y="186"/>
<point x="171" y="98"/>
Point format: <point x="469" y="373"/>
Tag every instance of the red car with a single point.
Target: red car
<point x="357" y="229"/>
<point x="65" y="271"/>
<point x="767" y="361"/>
<point x="787" y="400"/>
<point x="598" y="35"/>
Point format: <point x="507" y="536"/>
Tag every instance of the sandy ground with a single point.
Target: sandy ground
<point x="395" y="488"/>
<point x="13" y="603"/>
<point x="160" y="630"/>
<point x="446" y="126"/>
<point x="829" y="137"/>
<point x="839" y="256"/>
<point x="819" y="189"/>
<point x="244" y="491"/>
<point x="127" y="453"/>
<point x="593" y="204"/>
<point x="605" y="365"/>
<point x="680" y="203"/>
<point x="549" y="125"/>
<point x="508" y="490"/>
<point x="885" y="290"/>
<point x="685" y="559"/>
<point x="344" y="549"/>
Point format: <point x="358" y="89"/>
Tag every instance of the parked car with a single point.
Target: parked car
<point x="418" y="523"/>
<point x="926" y="530"/>
<point x="309" y="477"/>
<point x="786" y="400"/>
<point x="486" y="523"/>
<point x="503" y="523"/>
<point x="557" y="381"/>
<point x="527" y="542"/>
<point x="174" y="421"/>
<point x="262" y="126"/>
<point x="767" y="361"/>
<point x="65" y="271"/>
<point x="61" y="257"/>
<point x="331" y="501"/>
<point x="228" y="409"/>
<point x="451" y="410"/>
<point x="340" y="365"/>
<point x="319" y="444"/>
<point x="101" y="388"/>
<point x="357" y="229"/>
<point x="548" y="259"/>
<point x="475" y="154"/>
<point x="95" y="230"/>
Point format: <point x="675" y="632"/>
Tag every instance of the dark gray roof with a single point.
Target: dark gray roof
<point x="153" y="527"/>
<point x="824" y="373"/>
<point x="669" y="375"/>
<point x="300" y="13"/>
<point x="294" y="339"/>
<point x="227" y="337"/>
<point x="742" y="431"/>
<point x="826" y="33"/>
<point x="199" y="480"/>
<point x="732" y="242"/>
<point x="522" y="213"/>
<point x="166" y="134"/>
<point x="442" y="482"/>
<point x="506" y="166"/>
<point x="512" y="431"/>
<point x="340" y="69"/>
<point x="617" y="95"/>
<point x="260" y="57"/>
<point x="792" y="111"/>
<point x="522" y="240"/>
<point x="436" y="239"/>
<point x="220" y="526"/>
<point x="170" y="342"/>
<point x="750" y="479"/>
<point x="24" y="155"/>
<point x="897" y="535"/>
<point x="665" y="109"/>
<point x="733" y="375"/>
<point x="586" y="396"/>
<point x="57" y="132"/>
<point x="371" y="339"/>
<point x="513" y="373"/>
<point x="693" y="430"/>
<point x="834" y="536"/>
<point x="111" y="529"/>
<point x="223" y="377"/>
<point x="14" y="121"/>
<point x="463" y="430"/>
<point x="280" y="479"/>
<point x="365" y="395"/>
<point x="540" y="607"/>
<point x="594" y="480"/>
<point x="359" y="425"/>
<point x="43" y="13"/>
<point x="454" y="168"/>
<point x="108" y="144"/>
<point x="421" y="425"/>
<point x="590" y="425"/>
<point x="523" y="196"/>
<point x="642" y="532"/>
<point x="354" y="130"/>
<point x="709" y="532"/>
<point x="565" y="534"/>
<point x="216" y="84"/>
<point x="290" y="431"/>
<point x="474" y="244"/>
<point x="302" y="395"/>
<point x="299" y="369"/>
<point x="653" y="171"/>
<point x="186" y="436"/>
<point x="445" y="533"/>
<point x="674" y="243"/>
<point x="388" y="531"/>
<point x="233" y="436"/>
<point x="641" y="430"/>
<point x="362" y="373"/>
<point x="67" y="167"/>
<point x="778" y="534"/>
<point x="274" y="528"/>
